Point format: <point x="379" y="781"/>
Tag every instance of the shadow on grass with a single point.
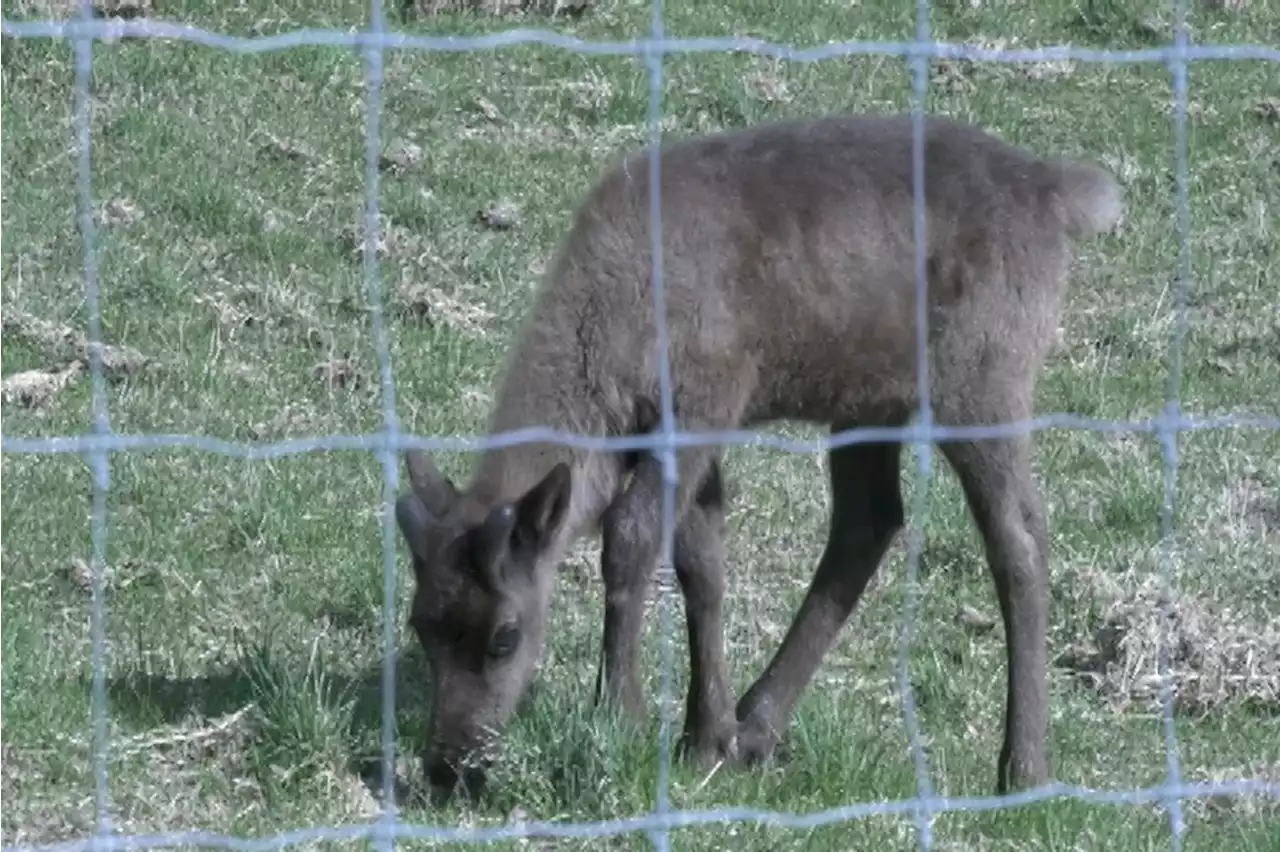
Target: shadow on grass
<point x="303" y="712"/>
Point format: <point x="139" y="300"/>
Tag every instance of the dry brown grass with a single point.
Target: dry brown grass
<point x="339" y="373"/>
<point x="64" y="9"/>
<point x="1212" y="656"/>
<point x="1248" y="806"/>
<point x="553" y="8"/>
<point x="37" y="388"/>
<point x="286" y="313"/>
<point x="61" y="346"/>
<point x="419" y="302"/>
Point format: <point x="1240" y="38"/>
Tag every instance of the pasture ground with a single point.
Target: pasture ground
<point x="244" y="598"/>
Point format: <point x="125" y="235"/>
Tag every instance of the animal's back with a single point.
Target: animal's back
<point x="788" y="259"/>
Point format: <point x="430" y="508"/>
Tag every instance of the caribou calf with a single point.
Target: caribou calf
<point x="790" y="280"/>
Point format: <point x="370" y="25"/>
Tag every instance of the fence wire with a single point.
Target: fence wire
<point x="374" y="43"/>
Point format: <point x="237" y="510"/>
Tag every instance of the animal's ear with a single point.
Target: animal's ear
<point x="541" y="511"/>
<point x="414" y="521"/>
<point x="432" y="487"/>
<point x="491" y="544"/>
<point x="521" y="529"/>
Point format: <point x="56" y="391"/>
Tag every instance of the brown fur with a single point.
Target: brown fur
<point x="789" y="269"/>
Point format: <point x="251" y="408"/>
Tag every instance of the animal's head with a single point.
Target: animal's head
<point x="483" y="587"/>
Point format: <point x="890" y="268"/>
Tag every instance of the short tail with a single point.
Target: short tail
<point x="1090" y="198"/>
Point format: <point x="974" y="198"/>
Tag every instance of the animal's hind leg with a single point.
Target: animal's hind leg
<point x="997" y="482"/>
<point x="866" y="514"/>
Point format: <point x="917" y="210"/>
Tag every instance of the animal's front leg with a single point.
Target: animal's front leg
<point x="631" y="550"/>
<point x="710" y="727"/>
<point x="866" y="513"/>
<point x="629" y="557"/>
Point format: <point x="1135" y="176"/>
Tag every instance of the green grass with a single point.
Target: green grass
<point x="244" y="602"/>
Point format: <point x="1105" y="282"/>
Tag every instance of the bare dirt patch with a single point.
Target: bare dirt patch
<point x="391" y="240"/>
<point x="81" y="576"/>
<point x="279" y="148"/>
<point x="954" y="76"/>
<point x="122" y="575"/>
<point x="118" y="213"/>
<point x="1268" y="109"/>
<point x="1050" y="69"/>
<point x="768" y="85"/>
<point x="293" y="419"/>
<point x="591" y="94"/>
<point x="418" y="303"/>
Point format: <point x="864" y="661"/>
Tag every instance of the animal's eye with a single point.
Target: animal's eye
<point x="504" y="641"/>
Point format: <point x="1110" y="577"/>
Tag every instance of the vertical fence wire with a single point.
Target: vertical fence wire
<point x="670" y="471"/>
<point x="99" y="460"/>
<point x="373" y="54"/>
<point x="84" y="30"/>
<point x="924" y="444"/>
<point x="1168" y="435"/>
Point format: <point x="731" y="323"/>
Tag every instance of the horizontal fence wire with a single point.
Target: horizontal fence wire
<point x="102" y="442"/>
<point x="379" y="441"/>
<point x="311" y="37"/>
<point x="673" y="820"/>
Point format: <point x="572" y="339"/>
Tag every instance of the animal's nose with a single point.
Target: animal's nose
<point x="441" y="774"/>
<point x="444" y="779"/>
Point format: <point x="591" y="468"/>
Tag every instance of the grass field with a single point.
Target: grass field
<point x="244" y="598"/>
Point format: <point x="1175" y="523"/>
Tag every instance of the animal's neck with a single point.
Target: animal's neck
<point x="505" y="474"/>
<point x="545" y="386"/>
<point x="531" y="396"/>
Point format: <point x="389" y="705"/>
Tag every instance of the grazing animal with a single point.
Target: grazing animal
<point x="789" y="267"/>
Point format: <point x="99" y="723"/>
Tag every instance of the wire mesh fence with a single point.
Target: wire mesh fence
<point x="103" y="441"/>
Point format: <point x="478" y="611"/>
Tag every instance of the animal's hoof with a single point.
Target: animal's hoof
<point x="1018" y="777"/>
<point x="758" y="743"/>
<point x="710" y="745"/>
